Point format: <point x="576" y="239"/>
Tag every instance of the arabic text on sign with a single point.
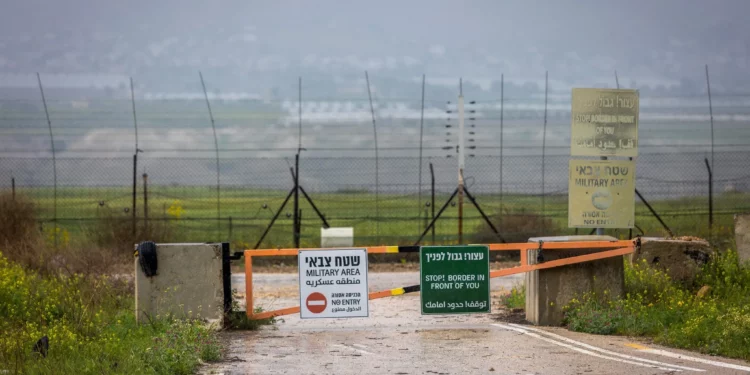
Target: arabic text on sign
<point x="456" y="305"/>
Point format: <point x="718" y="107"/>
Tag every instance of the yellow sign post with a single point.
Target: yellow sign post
<point x="601" y="194"/>
<point x="604" y="122"/>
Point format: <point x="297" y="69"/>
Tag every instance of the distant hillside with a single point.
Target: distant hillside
<point x="261" y="48"/>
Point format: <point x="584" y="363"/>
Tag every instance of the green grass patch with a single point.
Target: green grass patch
<point x="190" y="215"/>
<point x="91" y="328"/>
<point x="238" y="320"/>
<point x="715" y="320"/>
<point x="516" y="298"/>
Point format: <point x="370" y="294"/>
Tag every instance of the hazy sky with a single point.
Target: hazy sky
<point x="649" y="42"/>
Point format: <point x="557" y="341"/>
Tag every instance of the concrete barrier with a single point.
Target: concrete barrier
<point x="680" y="259"/>
<point x="549" y="290"/>
<point x="189" y="283"/>
<point x="742" y="236"/>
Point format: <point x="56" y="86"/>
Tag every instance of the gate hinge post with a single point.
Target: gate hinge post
<point x="540" y="255"/>
<point x="638" y="244"/>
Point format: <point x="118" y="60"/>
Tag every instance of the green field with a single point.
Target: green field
<point x="190" y="215"/>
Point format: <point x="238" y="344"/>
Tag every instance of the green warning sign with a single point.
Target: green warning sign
<point x="454" y="279"/>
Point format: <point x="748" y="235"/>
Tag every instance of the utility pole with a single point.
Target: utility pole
<point x="295" y="225"/>
<point x="460" y="162"/>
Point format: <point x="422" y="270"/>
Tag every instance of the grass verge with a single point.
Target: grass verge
<point x="91" y="329"/>
<point x="516" y="299"/>
<point x="238" y="320"/>
<point x="712" y="316"/>
<point x="188" y="213"/>
<point x="66" y="296"/>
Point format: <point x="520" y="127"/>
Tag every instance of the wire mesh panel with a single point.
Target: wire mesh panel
<point x="177" y="197"/>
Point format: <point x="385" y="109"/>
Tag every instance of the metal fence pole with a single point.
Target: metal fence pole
<point x="617" y="84"/>
<point x="296" y="222"/>
<point x="461" y="153"/>
<point x="54" y="160"/>
<point x="299" y="226"/>
<point x="135" y="156"/>
<point x="502" y="102"/>
<point x="711" y="168"/>
<point x="421" y="135"/>
<point x="432" y="204"/>
<point x="218" y="167"/>
<point x="710" y="198"/>
<point x="544" y="147"/>
<point x="135" y="189"/>
<point x="377" y="167"/>
<point x="711" y="114"/>
<point x="145" y="205"/>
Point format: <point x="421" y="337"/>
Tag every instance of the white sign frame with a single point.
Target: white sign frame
<point x="329" y="268"/>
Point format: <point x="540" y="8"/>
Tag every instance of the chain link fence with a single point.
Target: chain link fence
<point x="170" y="192"/>
<point x="181" y="193"/>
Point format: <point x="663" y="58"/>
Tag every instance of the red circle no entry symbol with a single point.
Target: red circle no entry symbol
<point x="316" y="303"/>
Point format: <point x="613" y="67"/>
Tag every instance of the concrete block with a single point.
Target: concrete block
<point x="549" y="290"/>
<point x="189" y="283"/>
<point x="742" y="236"/>
<point x="680" y="259"/>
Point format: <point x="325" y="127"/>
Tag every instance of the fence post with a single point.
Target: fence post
<point x="299" y="226"/>
<point x="432" y="204"/>
<point x="377" y="167"/>
<point x="145" y="204"/>
<point x="13" y="186"/>
<point x="461" y="152"/>
<point x="421" y="135"/>
<point x="711" y="115"/>
<point x="54" y="159"/>
<point x="630" y="230"/>
<point x="295" y="221"/>
<point x="653" y="212"/>
<point x="230" y="228"/>
<point x="135" y="155"/>
<point x="544" y="147"/>
<point x="218" y="166"/>
<point x="710" y="199"/>
<point x="135" y="189"/>
<point x="502" y="110"/>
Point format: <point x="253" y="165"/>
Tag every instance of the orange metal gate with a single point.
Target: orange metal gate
<point x="615" y="248"/>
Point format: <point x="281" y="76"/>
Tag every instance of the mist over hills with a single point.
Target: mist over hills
<point x="258" y="49"/>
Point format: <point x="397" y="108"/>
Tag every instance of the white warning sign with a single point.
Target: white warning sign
<point x="333" y="283"/>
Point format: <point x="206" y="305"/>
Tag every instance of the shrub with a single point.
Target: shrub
<point x="592" y="316"/>
<point x="83" y="258"/>
<point x="23" y="243"/>
<point x="21" y="239"/>
<point x="652" y="303"/>
<point x="516" y="299"/>
<point x="91" y="329"/>
<point x="238" y="320"/>
<point x="717" y="323"/>
<point x="727" y="277"/>
<point x="18" y="224"/>
<point x="113" y="229"/>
